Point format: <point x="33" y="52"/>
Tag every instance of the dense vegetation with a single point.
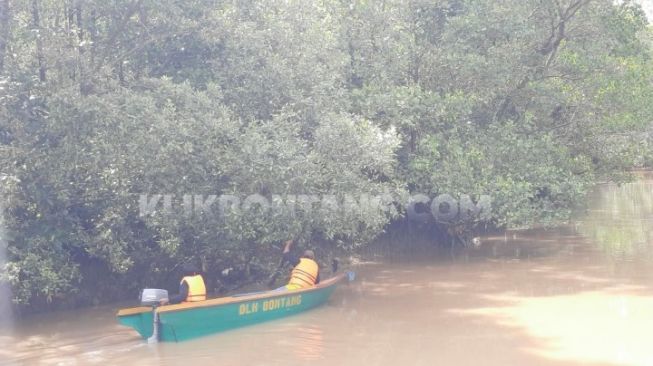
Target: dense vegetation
<point x="528" y="101"/>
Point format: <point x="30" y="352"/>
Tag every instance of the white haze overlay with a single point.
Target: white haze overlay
<point x="5" y="290"/>
<point x="648" y="8"/>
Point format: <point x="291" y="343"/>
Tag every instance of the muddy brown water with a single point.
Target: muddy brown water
<point x="581" y="294"/>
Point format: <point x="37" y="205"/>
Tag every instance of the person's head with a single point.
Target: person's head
<point x="190" y="269"/>
<point x="309" y="254"/>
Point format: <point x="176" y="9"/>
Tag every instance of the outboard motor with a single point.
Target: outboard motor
<point x="152" y="297"/>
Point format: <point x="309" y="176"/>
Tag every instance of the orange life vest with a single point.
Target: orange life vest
<point x="303" y="275"/>
<point x="196" y="288"/>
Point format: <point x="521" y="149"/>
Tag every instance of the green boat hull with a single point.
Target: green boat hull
<point x="142" y="322"/>
<point x="192" y="320"/>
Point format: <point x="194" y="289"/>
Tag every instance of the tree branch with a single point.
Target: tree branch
<point x="4" y="31"/>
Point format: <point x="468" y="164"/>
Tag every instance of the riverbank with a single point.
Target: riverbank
<point x="532" y="298"/>
<point x="527" y="297"/>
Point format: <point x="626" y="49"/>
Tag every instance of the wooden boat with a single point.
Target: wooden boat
<point x="179" y="322"/>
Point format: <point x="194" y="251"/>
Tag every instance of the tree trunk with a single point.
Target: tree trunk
<point x="92" y="31"/>
<point x="548" y="51"/>
<point x="36" y="23"/>
<point x="83" y="84"/>
<point x="4" y="31"/>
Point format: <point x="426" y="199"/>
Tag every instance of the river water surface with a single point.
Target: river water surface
<point x="576" y="295"/>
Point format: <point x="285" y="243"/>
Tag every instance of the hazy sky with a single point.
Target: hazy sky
<point x="648" y="6"/>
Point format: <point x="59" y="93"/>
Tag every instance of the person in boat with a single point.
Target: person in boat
<point x="191" y="287"/>
<point x="305" y="272"/>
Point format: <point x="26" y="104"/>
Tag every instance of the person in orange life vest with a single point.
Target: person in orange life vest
<point x="191" y="287"/>
<point x="305" y="273"/>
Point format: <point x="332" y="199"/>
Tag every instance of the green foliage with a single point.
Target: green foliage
<point x="529" y="102"/>
<point x="530" y="178"/>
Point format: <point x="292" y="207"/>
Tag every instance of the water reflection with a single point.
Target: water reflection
<point x="310" y="343"/>
<point x="621" y="220"/>
<point x="611" y="326"/>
